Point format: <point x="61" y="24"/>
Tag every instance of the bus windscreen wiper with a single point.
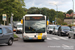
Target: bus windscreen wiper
<point x="42" y="30"/>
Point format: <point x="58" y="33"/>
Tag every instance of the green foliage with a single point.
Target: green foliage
<point x="59" y="21"/>
<point x="70" y="25"/>
<point x="69" y="11"/>
<point x="12" y="6"/>
<point x="15" y="36"/>
<point x="64" y="23"/>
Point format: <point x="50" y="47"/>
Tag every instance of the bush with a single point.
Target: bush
<point x="64" y="23"/>
<point x="70" y="26"/>
<point x="15" y="36"/>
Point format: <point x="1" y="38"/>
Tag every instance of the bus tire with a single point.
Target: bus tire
<point x="24" y="40"/>
<point x="69" y="36"/>
<point x="42" y="40"/>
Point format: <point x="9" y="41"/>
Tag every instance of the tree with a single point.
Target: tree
<point x="33" y="10"/>
<point x="12" y="6"/>
<point x="69" y="11"/>
<point x="59" y="21"/>
<point x="52" y="15"/>
<point x="61" y="15"/>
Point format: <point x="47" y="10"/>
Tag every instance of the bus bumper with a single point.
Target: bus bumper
<point x="34" y="38"/>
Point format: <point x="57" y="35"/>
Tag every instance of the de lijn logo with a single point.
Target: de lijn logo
<point x="4" y="17"/>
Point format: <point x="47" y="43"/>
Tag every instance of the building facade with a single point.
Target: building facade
<point x="69" y="20"/>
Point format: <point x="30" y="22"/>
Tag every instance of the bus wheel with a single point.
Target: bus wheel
<point x="42" y="40"/>
<point x="24" y="40"/>
<point x="69" y="36"/>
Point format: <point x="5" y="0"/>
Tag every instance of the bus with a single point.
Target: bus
<point x="34" y="27"/>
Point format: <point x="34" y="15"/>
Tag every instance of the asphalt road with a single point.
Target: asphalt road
<point x="53" y="42"/>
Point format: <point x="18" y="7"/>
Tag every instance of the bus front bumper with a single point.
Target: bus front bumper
<point x="34" y="38"/>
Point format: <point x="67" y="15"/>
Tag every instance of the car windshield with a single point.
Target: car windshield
<point x="73" y="26"/>
<point x="56" y="28"/>
<point x="51" y="27"/>
<point x="65" y="27"/>
<point x="19" y="26"/>
<point x="35" y="26"/>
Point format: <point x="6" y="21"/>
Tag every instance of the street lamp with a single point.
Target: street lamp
<point x="56" y="9"/>
<point x="73" y="12"/>
<point x="11" y="20"/>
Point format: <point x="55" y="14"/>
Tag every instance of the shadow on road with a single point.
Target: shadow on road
<point x="31" y="41"/>
<point x="2" y="45"/>
<point x="64" y="36"/>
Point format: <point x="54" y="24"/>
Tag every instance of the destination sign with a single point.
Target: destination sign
<point x="35" y="18"/>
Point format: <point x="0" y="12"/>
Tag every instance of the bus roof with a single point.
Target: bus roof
<point x="33" y="15"/>
<point x="19" y="23"/>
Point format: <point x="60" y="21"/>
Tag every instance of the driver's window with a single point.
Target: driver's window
<point x="0" y="30"/>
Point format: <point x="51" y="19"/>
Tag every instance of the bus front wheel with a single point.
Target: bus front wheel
<point x="42" y="40"/>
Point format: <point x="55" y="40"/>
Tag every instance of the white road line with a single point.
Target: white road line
<point x="49" y="39"/>
<point x="65" y="45"/>
<point x="63" y="38"/>
<point x="55" y="38"/>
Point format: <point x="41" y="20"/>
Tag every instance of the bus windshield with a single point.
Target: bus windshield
<point x="19" y="26"/>
<point x="35" y="26"/>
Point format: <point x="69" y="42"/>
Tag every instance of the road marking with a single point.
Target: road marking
<point x="65" y="45"/>
<point x="49" y="39"/>
<point x="55" y="38"/>
<point x="63" y="38"/>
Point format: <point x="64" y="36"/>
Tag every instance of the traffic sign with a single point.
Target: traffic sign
<point x="52" y="21"/>
<point x="4" y="16"/>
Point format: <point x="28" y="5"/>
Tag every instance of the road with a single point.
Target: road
<point x="53" y="42"/>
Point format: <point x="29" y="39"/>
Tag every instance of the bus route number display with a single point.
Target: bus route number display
<point x="34" y="18"/>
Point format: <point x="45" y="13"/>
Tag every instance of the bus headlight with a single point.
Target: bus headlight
<point x="25" y="37"/>
<point x="44" y="37"/>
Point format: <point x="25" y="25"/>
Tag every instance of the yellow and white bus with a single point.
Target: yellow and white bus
<point x="34" y="27"/>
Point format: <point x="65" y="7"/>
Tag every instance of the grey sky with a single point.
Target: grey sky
<point x="63" y="5"/>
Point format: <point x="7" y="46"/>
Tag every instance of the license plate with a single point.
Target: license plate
<point x="30" y="38"/>
<point x="35" y="38"/>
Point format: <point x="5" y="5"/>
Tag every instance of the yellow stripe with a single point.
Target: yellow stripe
<point x="40" y="36"/>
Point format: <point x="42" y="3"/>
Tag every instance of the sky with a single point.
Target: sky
<point x="63" y="5"/>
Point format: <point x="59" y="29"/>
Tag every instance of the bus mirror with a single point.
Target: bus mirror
<point x="21" y="21"/>
<point x="47" y="22"/>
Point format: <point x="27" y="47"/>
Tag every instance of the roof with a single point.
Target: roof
<point x="19" y="23"/>
<point x="52" y="25"/>
<point x="33" y="15"/>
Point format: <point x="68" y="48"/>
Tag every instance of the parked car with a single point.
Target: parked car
<point x="14" y="29"/>
<point x="73" y="27"/>
<point x="71" y="33"/>
<point x="50" y="28"/>
<point x="6" y="35"/>
<point x="58" y="26"/>
<point x="55" y="30"/>
<point x="19" y="28"/>
<point x="63" y="30"/>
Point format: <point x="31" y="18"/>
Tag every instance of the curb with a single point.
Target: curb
<point x="16" y="39"/>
